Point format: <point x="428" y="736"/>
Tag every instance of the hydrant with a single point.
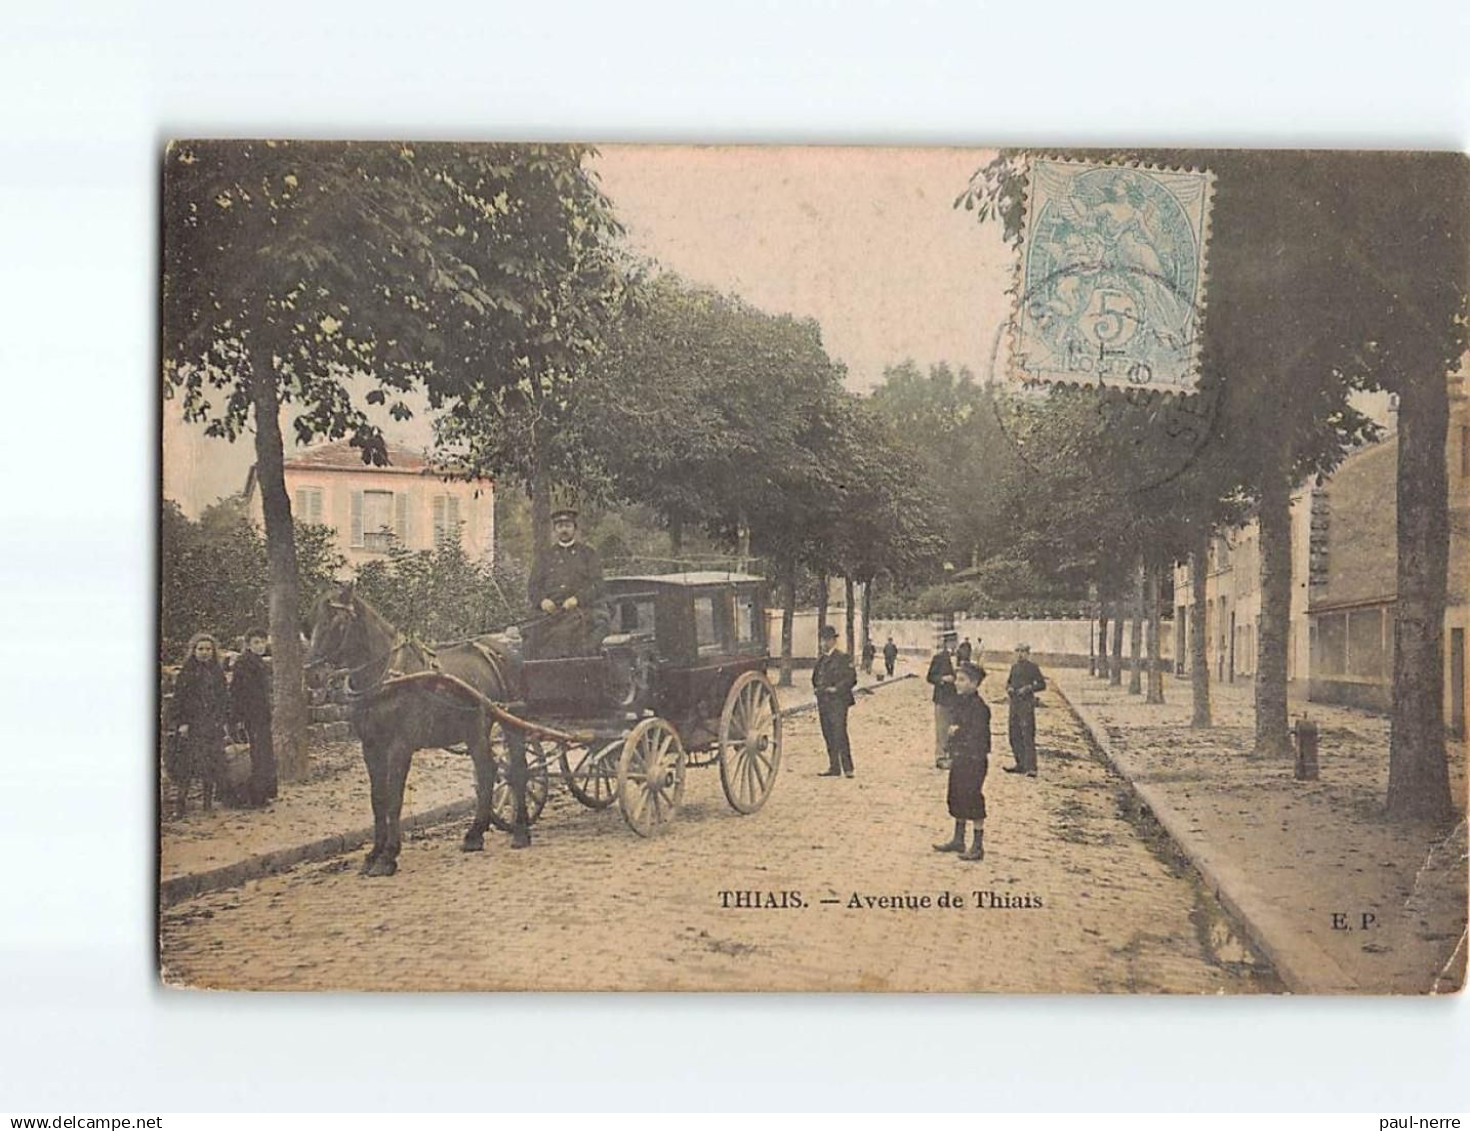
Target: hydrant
<point x="1306" y="749"/>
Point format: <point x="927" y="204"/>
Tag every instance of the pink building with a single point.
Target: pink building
<point x="371" y="509"/>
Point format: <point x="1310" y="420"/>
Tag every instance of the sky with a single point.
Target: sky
<point x="866" y="241"/>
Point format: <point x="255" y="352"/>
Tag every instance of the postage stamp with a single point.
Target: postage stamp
<point x="1112" y="275"/>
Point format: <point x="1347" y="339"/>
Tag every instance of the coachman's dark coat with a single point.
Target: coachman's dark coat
<point x="969" y="751"/>
<point x="559" y="573"/>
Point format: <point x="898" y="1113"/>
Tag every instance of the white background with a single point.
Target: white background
<point x="88" y="93"/>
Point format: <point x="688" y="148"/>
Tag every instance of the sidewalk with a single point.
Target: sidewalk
<point x="330" y="813"/>
<point x="1301" y="864"/>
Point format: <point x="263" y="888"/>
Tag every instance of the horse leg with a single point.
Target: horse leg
<point x="372" y="756"/>
<point x="395" y="777"/>
<point x="478" y="745"/>
<point x="516" y="772"/>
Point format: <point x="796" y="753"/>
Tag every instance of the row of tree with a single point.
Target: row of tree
<point x="1328" y="273"/>
<point x="491" y="281"/>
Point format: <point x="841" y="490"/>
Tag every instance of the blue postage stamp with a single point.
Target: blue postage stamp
<point x="1112" y="275"/>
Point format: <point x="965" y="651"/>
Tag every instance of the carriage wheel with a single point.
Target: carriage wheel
<point x="591" y="773"/>
<point x="651" y="776"/>
<point x="750" y="742"/>
<point x="538" y="782"/>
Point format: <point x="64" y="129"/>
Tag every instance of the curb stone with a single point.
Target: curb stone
<point x="1301" y="964"/>
<point x="193" y="884"/>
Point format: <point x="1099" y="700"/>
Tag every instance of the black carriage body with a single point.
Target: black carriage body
<point x="678" y="643"/>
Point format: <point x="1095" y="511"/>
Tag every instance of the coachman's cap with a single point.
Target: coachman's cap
<point x="564" y="513"/>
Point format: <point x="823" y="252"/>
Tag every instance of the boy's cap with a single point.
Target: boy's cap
<point x="971" y="672"/>
<point x="564" y="513"/>
<point x="1023" y="648"/>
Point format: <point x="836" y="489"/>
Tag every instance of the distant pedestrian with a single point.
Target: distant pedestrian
<point x="869" y="651"/>
<point x="250" y="709"/>
<point x="833" y="679"/>
<point x="1024" y="681"/>
<point x="890" y="656"/>
<point x="963" y="653"/>
<point x="941" y="676"/>
<point x="969" y="748"/>
<point x="200" y="710"/>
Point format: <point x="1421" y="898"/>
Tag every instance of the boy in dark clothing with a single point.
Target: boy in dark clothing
<point x="869" y="651"/>
<point x="969" y="748"/>
<point x="890" y="656"/>
<point x="250" y="707"/>
<point x="1022" y="685"/>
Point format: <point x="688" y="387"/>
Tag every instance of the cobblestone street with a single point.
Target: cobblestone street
<point x="591" y="905"/>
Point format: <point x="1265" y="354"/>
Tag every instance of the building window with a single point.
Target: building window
<point x="1365" y="651"/>
<point x="1330" y="645"/>
<point x="308" y="506"/>
<point x="378" y="519"/>
<point x="447" y="520"/>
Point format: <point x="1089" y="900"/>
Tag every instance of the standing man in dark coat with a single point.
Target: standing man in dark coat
<point x="890" y="656"/>
<point x="1022" y="685"/>
<point x="566" y="588"/>
<point x="969" y="748"/>
<point x="834" y="678"/>
<point x="250" y="707"/>
<point x="869" y="651"/>
<point x="963" y="653"/>
<point x="941" y="675"/>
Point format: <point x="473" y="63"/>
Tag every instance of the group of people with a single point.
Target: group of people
<point x="207" y="707"/>
<point x="961" y="722"/>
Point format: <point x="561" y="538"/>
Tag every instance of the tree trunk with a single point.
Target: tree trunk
<point x="1155" y="690"/>
<point x="867" y="633"/>
<point x="1102" y="639"/>
<point x="1115" y="669"/>
<point x="288" y="688"/>
<point x="676" y="536"/>
<point x="1199" y="663"/>
<point x="788" y="622"/>
<point x="823" y="588"/>
<point x="742" y="543"/>
<point x="1418" y="771"/>
<point x="1273" y="733"/>
<point x="1135" y="634"/>
<point x="851" y="616"/>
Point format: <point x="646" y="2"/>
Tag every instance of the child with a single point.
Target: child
<point x="201" y="706"/>
<point x="969" y="750"/>
<point x="250" y="707"/>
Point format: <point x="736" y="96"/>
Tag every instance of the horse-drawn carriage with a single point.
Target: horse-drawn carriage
<point x="679" y="683"/>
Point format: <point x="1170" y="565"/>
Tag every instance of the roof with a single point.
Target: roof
<point x="342" y="456"/>
<point x="703" y="577"/>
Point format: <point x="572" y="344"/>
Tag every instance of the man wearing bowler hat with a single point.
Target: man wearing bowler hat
<point x="834" y="678"/>
<point x="941" y="676"/>
<point x="566" y="589"/>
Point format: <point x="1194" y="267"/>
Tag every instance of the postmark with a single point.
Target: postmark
<point x="1111" y="283"/>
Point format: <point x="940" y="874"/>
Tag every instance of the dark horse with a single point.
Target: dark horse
<point x="393" y="718"/>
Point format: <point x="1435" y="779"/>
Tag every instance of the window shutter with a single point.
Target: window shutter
<point x="439" y="519"/>
<point x="400" y="517"/>
<point x="453" y="516"/>
<point x="315" y="499"/>
<point x="298" y="506"/>
<point x="357" y="518"/>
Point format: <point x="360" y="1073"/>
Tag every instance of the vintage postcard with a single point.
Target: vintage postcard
<point x="741" y="569"/>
